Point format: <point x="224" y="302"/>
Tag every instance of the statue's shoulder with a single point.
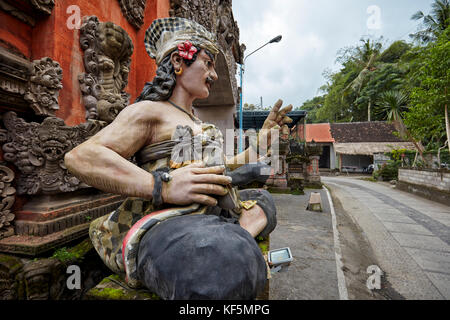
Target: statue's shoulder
<point x="145" y="110"/>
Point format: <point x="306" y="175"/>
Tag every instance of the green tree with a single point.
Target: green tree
<point x="312" y="106"/>
<point x="427" y="117"/>
<point x="392" y="105"/>
<point x="435" y="23"/>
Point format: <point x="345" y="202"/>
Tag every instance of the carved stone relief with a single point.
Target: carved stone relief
<point x="44" y="6"/>
<point x="45" y="83"/>
<point x="214" y="15"/>
<point x="133" y="10"/>
<point x="30" y="13"/>
<point x="14" y="78"/>
<point x="107" y="57"/>
<point x="7" y="193"/>
<point x="38" y="150"/>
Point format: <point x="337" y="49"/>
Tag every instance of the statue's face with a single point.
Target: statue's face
<point x="196" y="79"/>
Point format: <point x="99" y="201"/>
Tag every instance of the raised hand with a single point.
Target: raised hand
<point x="277" y="120"/>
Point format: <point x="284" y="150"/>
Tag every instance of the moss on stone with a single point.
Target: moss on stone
<point x="75" y="253"/>
<point x="114" y="288"/>
<point x="11" y="262"/>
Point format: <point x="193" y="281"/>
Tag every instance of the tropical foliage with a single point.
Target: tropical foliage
<point x="406" y="83"/>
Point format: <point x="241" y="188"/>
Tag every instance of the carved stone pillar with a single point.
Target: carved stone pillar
<point x="107" y="57"/>
<point x="7" y="193"/>
<point x="133" y="10"/>
<point x="45" y="83"/>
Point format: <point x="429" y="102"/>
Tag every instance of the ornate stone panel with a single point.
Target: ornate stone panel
<point x="28" y="11"/>
<point x="14" y="77"/>
<point x="44" y="6"/>
<point x="38" y="150"/>
<point x="107" y="57"/>
<point x="45" y="83"/>
<point x="133" y="10"/>
<point x="7" y="193"/>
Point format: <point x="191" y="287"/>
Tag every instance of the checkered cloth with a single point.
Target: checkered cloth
<point x="165" y="34"/>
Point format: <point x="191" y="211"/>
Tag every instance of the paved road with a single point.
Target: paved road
<point x="409" y="235"/>
<point x="312" y="274"/>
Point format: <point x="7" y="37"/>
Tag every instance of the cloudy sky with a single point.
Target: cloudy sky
<point x="313" y="31"/>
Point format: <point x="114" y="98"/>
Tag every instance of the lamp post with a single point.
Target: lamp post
<point x="241" y="117"/>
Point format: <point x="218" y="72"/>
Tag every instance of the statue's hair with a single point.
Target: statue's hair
<point x="161" y="88"/>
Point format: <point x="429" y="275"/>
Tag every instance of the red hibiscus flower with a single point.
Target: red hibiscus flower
<point x="186" y="50"/>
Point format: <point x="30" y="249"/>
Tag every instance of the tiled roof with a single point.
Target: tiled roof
<point x="320" y="132"/>
<point x="375" y="131"/>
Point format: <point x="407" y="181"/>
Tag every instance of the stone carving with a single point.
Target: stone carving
<point x="133" y="10"/>
<point x="214" y="15"/>
<point x="107" y="57"/>
<point x="7" y="193"/>
<point x="44" y="6"/>
<point x="45" y="83"/>
<point x="38" y="152"/>
<point x="14" y="78"/>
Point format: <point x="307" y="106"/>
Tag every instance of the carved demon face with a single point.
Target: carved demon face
<point x="54" y="141"/>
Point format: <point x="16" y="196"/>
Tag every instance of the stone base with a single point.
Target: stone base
<point x="115" y="288"/>
<point x="50" y="214"/>
<point x="34" y="246"/>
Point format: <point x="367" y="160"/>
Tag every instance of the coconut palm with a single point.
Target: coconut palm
<point x="434" y="23"/>
<point x="366" y="58"/>
<point x="392" y="105"/>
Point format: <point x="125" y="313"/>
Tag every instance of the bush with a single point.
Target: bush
<point x="389" y="171"/>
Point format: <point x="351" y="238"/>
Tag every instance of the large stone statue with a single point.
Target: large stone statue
<point x="185" y="232"/>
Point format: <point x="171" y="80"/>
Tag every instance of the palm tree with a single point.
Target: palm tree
<point x="392" y="105"/>
<point x="434" y="23"/>
<point x="366" y="57"/>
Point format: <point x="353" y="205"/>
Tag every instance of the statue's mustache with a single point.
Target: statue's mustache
<point x="210" y="81"/>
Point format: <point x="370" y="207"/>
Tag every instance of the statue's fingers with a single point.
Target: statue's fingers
<point x="283" y="112"/>
<point x="286" y="120"/>
<point x="286" y="110"/>
<point x="285" y="130"/>
<point x="274" y="112"/>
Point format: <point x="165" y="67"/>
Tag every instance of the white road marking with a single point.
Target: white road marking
<point x="343" y="294"/>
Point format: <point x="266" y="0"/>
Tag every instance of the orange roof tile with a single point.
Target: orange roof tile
<point x="320" y="132"/>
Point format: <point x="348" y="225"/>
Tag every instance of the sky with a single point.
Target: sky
<point x="313" y="31"/>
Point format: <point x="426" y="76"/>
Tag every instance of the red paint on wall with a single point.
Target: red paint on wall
<point x="52" y="38"/>
<point x="15" y="33"/>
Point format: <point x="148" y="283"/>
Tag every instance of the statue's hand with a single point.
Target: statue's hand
<point x="194" y="184"/>
<point x="277" y="120"/>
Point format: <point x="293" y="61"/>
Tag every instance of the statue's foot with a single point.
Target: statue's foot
<point x="261" y="219"/>
<point x="253" y="220"/>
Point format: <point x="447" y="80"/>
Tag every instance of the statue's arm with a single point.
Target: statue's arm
<point x="101" y="161"/>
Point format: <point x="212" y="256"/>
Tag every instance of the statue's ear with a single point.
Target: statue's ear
<point x="177" y="60"/>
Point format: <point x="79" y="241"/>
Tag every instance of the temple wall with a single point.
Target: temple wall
<point x="51" y="37"/>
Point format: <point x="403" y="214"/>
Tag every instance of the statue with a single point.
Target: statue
<point x="185" y="232"/>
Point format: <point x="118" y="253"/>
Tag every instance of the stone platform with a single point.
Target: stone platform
<point x="48" y="222"/>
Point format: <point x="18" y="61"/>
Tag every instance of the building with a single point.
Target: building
<point x="352" y="147"/>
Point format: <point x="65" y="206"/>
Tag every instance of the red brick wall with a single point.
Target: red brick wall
<point x="51" y="37"/>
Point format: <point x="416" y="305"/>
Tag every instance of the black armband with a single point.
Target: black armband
<point x="159" y="177"/>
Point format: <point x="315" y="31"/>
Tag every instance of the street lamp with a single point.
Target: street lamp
<point x="274" y="40"/>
